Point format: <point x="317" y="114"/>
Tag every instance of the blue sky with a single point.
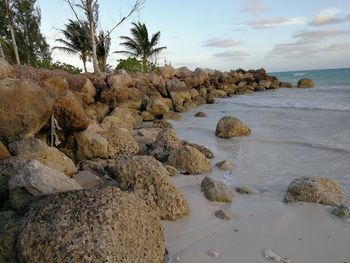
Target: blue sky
<point x="278" y="35"/>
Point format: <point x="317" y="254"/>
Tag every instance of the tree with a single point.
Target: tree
<point x="12" y="31"/>
<point x="77" y="40"/>
<point x="89" y="8"/>
<point x="139" y="45"/>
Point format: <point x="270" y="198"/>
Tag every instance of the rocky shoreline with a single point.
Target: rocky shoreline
<point x="82" y="156"/>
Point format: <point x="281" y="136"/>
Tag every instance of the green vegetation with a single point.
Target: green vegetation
<point x="132" y="64"/>
<point x="48" y="64"/>
<point x="140" y="46"/>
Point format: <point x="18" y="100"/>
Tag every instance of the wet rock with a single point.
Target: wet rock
<point x="34" y="179"/>
<point x="172" y="116"/>
<point x="146" y="116"/>
<point x="286" y="84"/>
<point x="224" y="165"/>
<point x="189" y="160"/>
<point x="6" y="70"/>
<point x="222" y="214"/>
<point x="320" y="190"/>
<point x="88" y="180"/>
<point x="108" y="224"/>
<point x="306" y="83"/>
<point x="165" y="142"/>
<point x="215" y="190"/>
<point x="150" y="180"/>
<point x="35" y="149"/>
<point x="243" y="190"/>
<point x="229" y="127"/>
<point x="4" y="153"/>
<point x="24" y="109"/>
<point x="213" y="253"/>
<point x="200" y="114"/>
<point x="70" y="113"/>
<point x="341" y="211"/>
<point x="205" y="151"/>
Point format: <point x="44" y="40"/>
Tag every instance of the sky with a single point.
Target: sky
<point x="277" y="35"/>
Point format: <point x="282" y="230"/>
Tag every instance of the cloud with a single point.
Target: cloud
<point x="268" y="23"/>
<point x="253" y="7"/>
<point x="221" y="42"/>
<point x="231" y="54"/>
<point x="337" y="47"/>
<point x="308" y="36"/>
<point x="328" y="16"/>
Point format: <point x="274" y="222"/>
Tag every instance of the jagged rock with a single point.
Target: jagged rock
<point x="341" y="211"/>
<point x="306" y="83"/>
<point x="179" y="93"/>
<point x="200" y="77"/>
<point x="150" y="180"/>
<point x="8" y="168"/>
<point x="158" y="82"/>
<point x="89" y="88"/>
<point x="146" y="116"/>
<point x="55" y="86"/>
<point x="6" y="70"/>
<point x="96" y="166"/>
<point x="320" y="190"/>
<point x="70" y="114"/>
<point x="157" y="107"/>
<point x="120" y="141"/>
<point x="97" y="111"/>
<point x="4" y="153"/>
<point x="164" y="124"/>
<point x="24" y="109"/>
<point x="171" y="170"/>
<point x="224" y="165"/>
<point x="229" y="127"/>
<point x="35" y="149"/>
<point x="200" y="114"/>
<point x="122" y="118"/>
<point x="122" y="97"/>
<point x="205" y="151"/>
<point x="189" y="160"/>
<point x="167" y="72"/>
<point x="107" y="225"/>
<point x="165" y="142"/>
<point x="91" y="144"/>
<point x="222" y="214"/>
<point x="265" y="83"/>
<point x="183" y="73"/>
<point x="34" y="179"/>
<point x="88" y="180"/>
<point x="215" y="190"/>
<point x="270" y="255"/>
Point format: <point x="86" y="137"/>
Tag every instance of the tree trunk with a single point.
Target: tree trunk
<point x="84" y="61"/>
<point x="2" y="55"/>
<point x="12" y="31"/>
<point x="90" y="13"/>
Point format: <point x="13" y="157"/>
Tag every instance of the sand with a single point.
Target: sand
<point x="303" y="233"/>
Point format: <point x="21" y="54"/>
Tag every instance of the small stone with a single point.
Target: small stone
<point x="215" y="190"/>
<point x="222" y="214"/>
<point x="270" y="255"/>
<point x="224" y="165"/>
<point x="243" y="190"/>
<point x="341" y="211"/>
<point x="213" y="253"/>
<point x="200" y="114"/>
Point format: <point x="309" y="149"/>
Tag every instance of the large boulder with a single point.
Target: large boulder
<point x="319" y="190"/>
<point x="35" y="149"/>
<point x="97" y="111"/>
<point x="165" y="142"/>
<point x="207" y="152"/>
<point x="88" y="180"/>
<point x="167" y="72"/>
<point x="120" y="80"/>
<point x="122" y="118"/>
<point x="107" y="225"/>
<point x="157" y="107"/>
<point x="158" y="82"/>
<point x="183" y="73"/>
<point x="34" y="179"/>
<point x="200" y="77"/>
<point x="122" y="97"/>
<point x="215" y="190"/>
<point x="55" y="85"/>
<point x="179" y="93"/>
<point x="70" y="114"/>
<point x="189" y="160"/>
<point x="6" y="70"/>
<point x="229" y="127"/>
<point x="24" y="109"/>
<point x="306" y="83"/>
<point x="148" y="177"/>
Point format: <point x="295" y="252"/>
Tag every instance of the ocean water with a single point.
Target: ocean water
<point x="295" y="132"/>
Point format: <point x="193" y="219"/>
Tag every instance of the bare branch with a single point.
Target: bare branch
<point x="72" y="5"/>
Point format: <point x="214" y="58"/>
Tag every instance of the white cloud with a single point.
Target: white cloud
<point x="268" y="23"/>
<point x="231" y="54"/>
<point x="221" y="42"/>
<point x="253" y="7"/>
<point x="328" y="16"/>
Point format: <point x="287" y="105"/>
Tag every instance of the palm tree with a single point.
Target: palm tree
<point x="77" y="40"/>
<point x="139" y="45"/>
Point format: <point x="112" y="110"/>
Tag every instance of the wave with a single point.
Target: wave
<point x="299" y="74"/>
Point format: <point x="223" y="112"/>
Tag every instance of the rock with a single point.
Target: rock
<point x="172" y="116"/>
<point x="306" y="83"/>
<point x="120" y="141"/>
<point x="70" y="114"/>
<point x="157" y="107"/>
<point x="147" y="177"/>
<point x="120" y="80"/>
<point x="8" y="168"/>
<point x="89" y="88"/>
<point x="243" y="190"/>
<point x="35" y="149"/>
<point x="205" y="151"/>
<point x="200" y="114"/>
<point x="24" y="109"/>
<point x="146" y="116"/>
<point x="165" y="142"/>
<point x="88" y="180"/>
<point x="107" y="225"/>
<point x="200" y="76"/>
<point x="6" y="70"/>
<point x="164" y="124"/>
<point x="4" y="153"/>
<point x="286" y="84"/>
<point x="189" y="160"/>
<point x="183" y="73"/>
<point x="55" y="86"/>
<point x="122" y="118"/>
<point x="171" y="170"/>
<point x="265" y="83"/>
<point x="158" y="82"/>
<point x="224" y="165"/>
<point x="213" y="253"/>
<point x="215" y="190"/>
<point x="320" y="190"/>
<point x="96" y="166"/>
<point x="179" y="93"/>
<point x="229" y="127"/>
<point x="5" y="217"/>
<point x="34" y="179"/>
<point x="222" y="214"/>
<point x="122" y="97"/>
<point x="341" y="211"/>
<point x="167" y="72"/>
<point x="270" y="255"/>
<point x="97" y="111"/>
